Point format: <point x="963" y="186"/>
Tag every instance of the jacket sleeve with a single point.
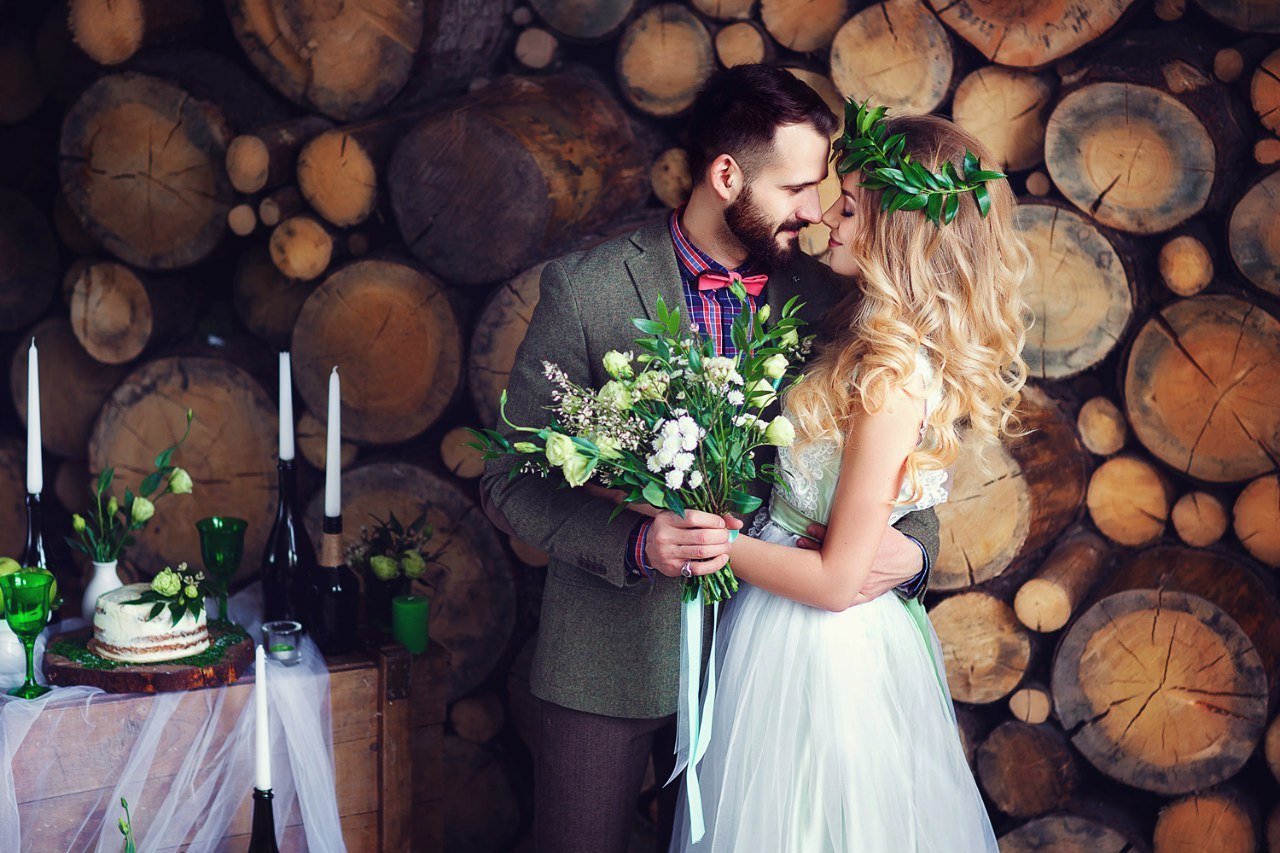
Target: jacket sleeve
<point x="922" y="526"/>
<point x="566" y="523"/>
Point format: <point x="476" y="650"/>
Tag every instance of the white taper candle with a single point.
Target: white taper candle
<point x="333" y="451"/>
<point x="35" y="472"/>
<point x="286" y="408"/>
<point x="261" y="740"/>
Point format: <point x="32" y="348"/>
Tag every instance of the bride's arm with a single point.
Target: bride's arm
<point x="870" y="477"/>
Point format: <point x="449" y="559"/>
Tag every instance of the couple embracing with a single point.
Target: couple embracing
<point x="833" y="731"/>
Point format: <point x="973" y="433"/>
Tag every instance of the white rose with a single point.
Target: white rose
<point x="775" y="366"/>
<point x="559" y="448"/>
<point x="780" y="432"/>
<point x="762" y="394"/>
<point x="764" y="313"/>
<point x="618" y="364"/>
<point x="577" y="469"/>
<point x="610" y="447"/>
<point x="652" y="385"/>
<point x="615" y="394"/>
<point x="790" y="338"/>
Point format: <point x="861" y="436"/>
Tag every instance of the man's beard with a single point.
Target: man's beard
<point x="751" y="226"/>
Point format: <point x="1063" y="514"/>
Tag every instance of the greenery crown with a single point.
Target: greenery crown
<point x="866" y="146"/>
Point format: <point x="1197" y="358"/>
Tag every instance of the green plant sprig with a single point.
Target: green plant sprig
<point x="867" y="146"/>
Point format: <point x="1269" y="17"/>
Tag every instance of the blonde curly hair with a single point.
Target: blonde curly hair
<point x="955" y="290"/>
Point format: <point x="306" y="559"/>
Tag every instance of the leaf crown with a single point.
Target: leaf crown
<point x="865" y="145"/>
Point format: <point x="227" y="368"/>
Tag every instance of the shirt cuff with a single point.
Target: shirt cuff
<point x="638" y="568"/>
<point x="915" y="587"/>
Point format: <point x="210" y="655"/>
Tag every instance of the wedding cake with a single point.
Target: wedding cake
<point x="121" y="631"/>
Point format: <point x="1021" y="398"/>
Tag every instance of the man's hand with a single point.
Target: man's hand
<point x="700" y="538"/>
<point x="898" y="561"/>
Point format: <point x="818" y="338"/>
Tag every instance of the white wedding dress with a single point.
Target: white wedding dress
<point x="833" y="732"/>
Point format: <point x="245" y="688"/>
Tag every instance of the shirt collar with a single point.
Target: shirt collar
<point x="693" y="261"/>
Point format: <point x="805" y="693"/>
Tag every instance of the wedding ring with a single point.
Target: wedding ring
<point x="686" y="570"/>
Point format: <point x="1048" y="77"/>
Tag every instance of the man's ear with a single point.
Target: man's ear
<point x="726" y="177"/>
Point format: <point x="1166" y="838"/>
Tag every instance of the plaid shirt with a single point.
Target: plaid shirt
<point x="713" y="311"/>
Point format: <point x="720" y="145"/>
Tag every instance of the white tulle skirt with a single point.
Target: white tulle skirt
<point x="832" y="734"/>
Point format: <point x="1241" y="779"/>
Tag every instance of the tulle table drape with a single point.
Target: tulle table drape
<point x="183" y="760"/>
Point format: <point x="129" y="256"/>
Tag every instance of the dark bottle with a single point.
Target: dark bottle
<point x="333" y="596"/>
<point x="35" y="554"/>
<point x="289" y="558"/>
<point x="263" y="837"/>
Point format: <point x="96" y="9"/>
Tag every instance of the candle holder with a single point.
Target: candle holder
<point x="221" y="548"/>
<point x="409" y="621"/>
<point x="281" y="638"/>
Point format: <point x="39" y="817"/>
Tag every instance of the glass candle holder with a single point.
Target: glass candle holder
<point x="409" y="621"/>
<point x="281" y="639"/>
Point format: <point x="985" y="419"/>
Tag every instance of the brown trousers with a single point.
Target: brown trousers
<point x="588" y="771"/>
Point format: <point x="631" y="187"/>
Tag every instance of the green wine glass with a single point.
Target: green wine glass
<point x="221" y="548"/>
<point x="26" y="609"/>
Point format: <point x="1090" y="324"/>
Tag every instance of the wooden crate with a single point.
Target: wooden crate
<point x="388" y="711"/>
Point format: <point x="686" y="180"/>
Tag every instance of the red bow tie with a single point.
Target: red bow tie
<point x="714" y="281"/>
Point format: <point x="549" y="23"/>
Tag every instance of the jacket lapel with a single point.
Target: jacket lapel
<point x="653" y="268"/>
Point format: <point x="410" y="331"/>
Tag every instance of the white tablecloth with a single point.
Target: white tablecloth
<point x="214" y="763"/>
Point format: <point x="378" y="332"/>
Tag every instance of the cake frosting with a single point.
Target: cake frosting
<point x="122" y="631"/>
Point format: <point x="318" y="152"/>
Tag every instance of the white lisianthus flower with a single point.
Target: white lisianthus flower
<point x="652" y="385"/>
<point x="718" y="369"/>
<point x="695" y="479"/>
<point x="764" y="313"/>
<point x="736" y="398"/>
<point x="780" y="432"/>
<point x="615" y="394"/>
<point x="577" y="469"/>
<point x="524" y="447"/>
<point x="775" y="366"/>
<point x="790" y="338"/>
<point x="682" y="462"/>
<point x="618" y="364"/>
<point x="559" y="448"/>
<point x="762" y="394"/>
<point x="675" y="479"/>
<point x="610" y="447"/>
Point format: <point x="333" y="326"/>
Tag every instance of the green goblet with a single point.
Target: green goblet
<point x="221" y="547"/>
<point x="26" y="609"/>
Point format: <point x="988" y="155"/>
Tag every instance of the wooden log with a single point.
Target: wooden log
<point x="471" y="588"/>
<point x="448" y="199"/>
<point x="1250" y="16"/>
<point x="725" y="10"/>
<point x="1271" y="747"/>
<point x="339" y="170"/>
<point x="394" y="336"/>
<point x="302" y="247"/>
<point x="112" y="31"/>
<point x="242" y="219"/>
<point x="1068" y="833"/>
<point x="1082" y="289"/>
<point x="312" y="444"/>
<point x="21" y="89"/>
<point x="129" y="133"/>
<point x="669" y="176"/>
<point x="117" y="313"/>
<point x="1266" y="151"/>
<point x="1253" y="235"/>
<point x="1102" y="426"/>
<point x="28" y="262"/>
<point x="1225" y="819"/>
<point x="1199" y="518"/>
<point x="1006" y="109"/>
<point x="73" y="486"/>
<point x="280" y="205"/>
<point x="1032" y="489"/>
<point x="69" y="405"/>
<point x="1273" y="830"/>
<point x="478" y="719"/>
<point x="896" y="53"/>
<point x="1047" y="601"/>
<point x="461" y="459"/>
<point x="1170" y="10"/>
<point x="664" y="57"/>
<point x="804" y="27"/>
<point x="64" y="68"/>
<point x="1034" y="36"/>
<point x="462" y="41"/>
<point x="592" y="21"/>
<point x="742" y="43"/>
<point x="1256" y="519"/>
<point x="1038" y="184"/>
<point x="266" y="301"/>
<point x="1186" y="260"/>
<point x="985" y="651"/>
<point x="1110" y="689"/>
<point x="482" y="801"/>
<point x="1031" y="703"/>
<point x="265" y="158"/>
<point x="1147" y="100"/>
<point x="1197" y="377"/>
<point x="522" y="16"/>
<point x="537" y="49"/>
<point x="230" y="454"/>
<point x="1129" y="500"/>
<point x="973" y="729"/>
<point x="13" y="488"/>
<point x="345" y="61"/>
<point x="1231" y="63"/>
<point x="210" y="76"/>
<point x="70" y="231"/>
<point x="1027" y="770"/>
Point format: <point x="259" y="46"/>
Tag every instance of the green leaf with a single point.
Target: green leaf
<point x="933" y="209"/>
<point x="104" y="479"/>
<point x="743" y="503"/>
<point x="649" y="327"/>
<point x="952" y="207"/>
<point x="150" y="483"/>
<point x="984" y="175"/>
<point x="916" y="202"/>
<point x="970" y="163"/>
<point x="887" y="197"/>
<point x="155" y="610"/>
<point x="983" y="198"/>
<point x="176" y="611"/>
<point x="900" y="200"/>
<point x="654" y="495"/>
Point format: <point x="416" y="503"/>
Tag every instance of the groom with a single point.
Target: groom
<point x="607" y="663"/>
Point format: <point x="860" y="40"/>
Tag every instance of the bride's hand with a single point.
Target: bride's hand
<point x="615" y="496"/>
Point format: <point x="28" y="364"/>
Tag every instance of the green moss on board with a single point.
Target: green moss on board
<point x="77" y="652"/>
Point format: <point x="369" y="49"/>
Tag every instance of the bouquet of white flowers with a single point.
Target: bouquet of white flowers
<point x="676" y="426"/>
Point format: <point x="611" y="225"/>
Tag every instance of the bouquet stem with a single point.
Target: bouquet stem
<point x="717" y="586"/>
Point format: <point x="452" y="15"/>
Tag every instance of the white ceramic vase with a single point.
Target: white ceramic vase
<point x="104" y="579"/>
<point x="13" y="660"/>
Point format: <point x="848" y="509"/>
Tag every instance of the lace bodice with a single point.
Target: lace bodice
<point x="811" y="474"/>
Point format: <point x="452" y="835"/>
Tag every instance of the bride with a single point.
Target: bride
<point x="833" y="728"/>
